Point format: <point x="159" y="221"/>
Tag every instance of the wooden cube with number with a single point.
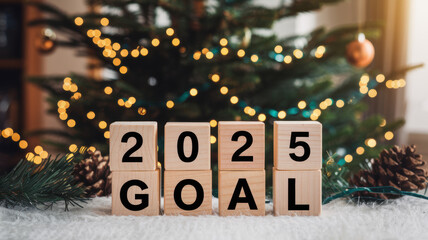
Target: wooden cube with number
<point x="133" y="146"/>
<point x="297" y="145"/>
<point x="297" y="192"/>
<point x="136" y="193"/>
<point x="241" y="145"/>
<point x="241" y="193"/>
<point x="188" y="192"/>
<point x="187" y="146"/>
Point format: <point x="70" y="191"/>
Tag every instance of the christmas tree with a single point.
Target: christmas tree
<point x="216" y="60"/>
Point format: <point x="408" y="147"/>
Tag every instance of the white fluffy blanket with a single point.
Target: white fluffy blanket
<point x="406" y="218"/>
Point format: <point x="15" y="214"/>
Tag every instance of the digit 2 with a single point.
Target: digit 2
<point x="127" y="156"/>
<point x="294" y="144"/>
<point x="236" y="156"/>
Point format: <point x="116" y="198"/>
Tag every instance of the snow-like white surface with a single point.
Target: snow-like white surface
<point x="406" y="218"/>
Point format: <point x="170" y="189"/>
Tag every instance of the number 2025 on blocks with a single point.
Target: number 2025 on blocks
<point x="187" y="177"/>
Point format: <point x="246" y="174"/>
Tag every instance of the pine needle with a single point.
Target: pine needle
<point x="32" y="185"/>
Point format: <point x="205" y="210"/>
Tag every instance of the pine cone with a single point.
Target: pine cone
<point x="399" y="167"/>
<point x="94" y="173"/>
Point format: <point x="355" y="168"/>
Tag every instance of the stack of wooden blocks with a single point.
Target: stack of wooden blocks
<point x="241" y="161"/>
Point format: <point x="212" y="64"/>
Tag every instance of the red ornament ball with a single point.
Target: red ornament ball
<point x="360" y="53"/>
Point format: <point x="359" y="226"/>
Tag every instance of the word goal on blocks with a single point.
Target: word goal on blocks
<point x="297" y="168"/>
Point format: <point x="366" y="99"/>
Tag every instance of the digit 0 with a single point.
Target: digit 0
<point x="180" y="146"/>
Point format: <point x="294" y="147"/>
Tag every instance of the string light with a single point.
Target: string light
<point x="389" y="135"/>
<point x="155" y="42"/>
<point x="234" y="99"/>
<point x="213" y="139"/>
<point x="170" y="104"/>
<point x="169" y="31"/>
<point x="124" y="53"/>
<point x="116" y="46"/>
<point x="288" y="59"/>
<point x="301" y="105"/>
<point x="240" y="53"/>
<point x="107" y="134"/>
<point x="205" y="50"/>
<point x="371" y="142"/>
<point x="224" y="51"/>
<point x="348" y="158"/>
<point x="298" y="53"/>
<point x="282" y="114"/>
<point x="144" y="51"/>
<point x="213" y="123"/>
<point x="223" y="42"/>
<point x="340" y="103"/>
<point x="193" y="92"/>
<point x="175" y="42"/>
<point x="197" y="55"/>
<point x="102" y="124"/>
<point x="380" y="78"/>
<point x="382" y="123"/>
<point x="135" y="53"/>
<point x="78" y="21"/>
<point x="142" y="111"/>
<point x="63" y="116"/>
<point x="224" y="90"/>
<point x="123" y="70"/>
<point x="254" y="58"/>
<point x="209" y="55"/>
<point x="104" y="21"/>
<point x="262" y="117"/>
<point x="372" y="93"/>
<point x="360" y="150"/>
<point x="23" y="144"/>
<point x="215" y="77"/>
<point x="71" y="123"/>
<point x="278" y="49"/>
<point x="90" y="115"/>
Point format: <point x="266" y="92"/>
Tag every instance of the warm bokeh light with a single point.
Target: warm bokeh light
<point x="90" y="115"/>
<point x="108" y="90"/>
<point x="254" y="58"/>
<point x="193" y="92"/>
<point x="348" y="158"/>
<point x="301" y="105"/>
<point x="282" y="114"/>
<point x="278" y="49"/>
<point x="389" y="135"/>
<point x="360" y="150"/>
<point x="340" y="103"/>
<point x="288" y="59"/>
<point x="213" y="123"/>
<point x="224" y="90"/>
<point x="223" y="42"/>
<point x="262" y="117"/>
<point x="71" y="123"/>
<point x="234" y="99"/>
<point x="240" y="53"/>
<point x="78" y="21"/>
<point x="169" y="31"/>
<point x="102" y="124"/>
<point x="104" y="21"/>
<point x="215" y="77"/>
<point x="155" y="42"/>
<point x="213" y="139"/>
<point x="170" y="104"/>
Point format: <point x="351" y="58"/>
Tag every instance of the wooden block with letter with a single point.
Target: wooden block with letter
<point x="188" y="192"/>
<point x="241" y="193"/>
<point x="136" y="193"/>
<point x="241" y="145"/>
<point x="297" y="145"/>
<point x="297" y="192"/>
<point x="187" y="146"/>
<point x="133" y="146"/>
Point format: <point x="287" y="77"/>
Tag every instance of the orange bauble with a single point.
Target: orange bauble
<point x="360" y="53"/>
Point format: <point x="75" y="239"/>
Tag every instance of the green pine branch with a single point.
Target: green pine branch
<point x="32" y="185"/>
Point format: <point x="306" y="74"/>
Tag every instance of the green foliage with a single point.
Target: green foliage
<point x="267" y="85"/>
<point x="32" y="185"/>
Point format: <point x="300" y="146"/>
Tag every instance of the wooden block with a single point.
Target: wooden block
<point x="297" y="193"/>
<point x="133" y="146"/>
<point x="187" y="146"/>
<point x="188" y="192"/>
<point x="241" y="145"/>
<point x="136" y="193"/>
<point x="241" y="193"/>
<point x="297" y="145"/>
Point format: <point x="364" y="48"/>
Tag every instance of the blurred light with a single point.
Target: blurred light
<point x="23" y="144"/>
<point x="169" y="31"/>
<point x="90" y="115"/>
<point x="224" y="90"/>
<point x="262" y="117"/>
<point x="340" y="103"/>
<point x="197" y="55"/>
<point x="124" y="53"/>
<point x="224" y="51"/>
<point x="323" y="105"/>
<point x="175" y="42"/>
<point x="365" y="78"/>
<point x="364" y="89"/>
<point x="123" y="70"/>
<point x="234" y="99"/>
<point x="63" y="116"/>
<point x="193" y="92"/>
<point x="16" y="137"/>
<point x="44" y="154"/>
<point x="380" y="78"/>
<point x="223" y="42"/>
<point x="135" y="53"/>
<point x="38" y="149"/>
<point x="288" y="59"/>
<point x="205" y="50"/>
<point x="301" y="105"/>
<point x="116" y="61"/>
<point x="298" y="53"/>
<point x="102" y="124"/>
<point x="254" y="58"/>
<point x="348" y="158"/>
<point x="215" y="77"/>
<point x="71" y="123"/>
<point x="78" y="21"/>
<point x="104" y="21"/>
<point x="329" y="101"/>
<point x="142" y="111"/>
<point x="213" y="123"/>
<point x="282" y="114"/>
<point x="37" y="160"/>
<point x="213" y="139"/>
<point x="371" y="142"/>
<point x="389" y="135"/>
<point x="107" y="134"/>
<point x="116" y="46"/>
<point x="278" y="49"/>
<point x="360" y="150"/>
<point x="372" y="93"/>
<point x="132" y="100"/>
<point x="170" y="104"/>
<point x="209" y="55"/>
<point x="144" y="51"/>
<point x="92" y="149"/>
<point x="240" y="53"/>
<point x="120" y="102"/>
<point x="155" y="42"/>
<point x="382" y="123"/>
<point x="108" y="90"/>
